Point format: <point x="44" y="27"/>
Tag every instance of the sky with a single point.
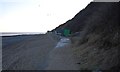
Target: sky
<point x="37" y="15"/>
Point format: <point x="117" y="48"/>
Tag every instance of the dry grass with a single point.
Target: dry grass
<point x="91" y="56"/>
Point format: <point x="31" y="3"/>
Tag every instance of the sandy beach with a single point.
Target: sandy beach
<point x="36" y="53"/>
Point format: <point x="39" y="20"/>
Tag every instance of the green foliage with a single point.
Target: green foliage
<point x="66" y="32"/>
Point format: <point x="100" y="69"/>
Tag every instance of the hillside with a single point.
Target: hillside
<point x="97" y="46"/>
<point x="98" y="10"/>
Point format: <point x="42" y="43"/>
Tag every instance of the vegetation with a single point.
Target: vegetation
<point x="99" y="41"/>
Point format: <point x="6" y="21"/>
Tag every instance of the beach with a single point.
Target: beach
<point x="28" y="53"/>
<point x="35" y="52"/>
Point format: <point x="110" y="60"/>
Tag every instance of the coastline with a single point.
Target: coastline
<point x="19" y="33"/>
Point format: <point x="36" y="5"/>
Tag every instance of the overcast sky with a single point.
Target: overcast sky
<point x="37" y="15"/>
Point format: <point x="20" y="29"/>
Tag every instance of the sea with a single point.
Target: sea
<point x="19" y="33"/>
<point x="9" y="38"/>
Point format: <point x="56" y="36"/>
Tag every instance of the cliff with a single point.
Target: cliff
<point x="97" y="45"/>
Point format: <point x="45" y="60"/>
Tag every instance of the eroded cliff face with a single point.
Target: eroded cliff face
<point x="98" y="45"/>
<point x="95" y="10"/>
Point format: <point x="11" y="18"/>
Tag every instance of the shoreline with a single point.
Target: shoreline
<point x="3" y="34"/>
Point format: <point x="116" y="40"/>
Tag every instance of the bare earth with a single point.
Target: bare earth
<point x="38" y="53"/>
